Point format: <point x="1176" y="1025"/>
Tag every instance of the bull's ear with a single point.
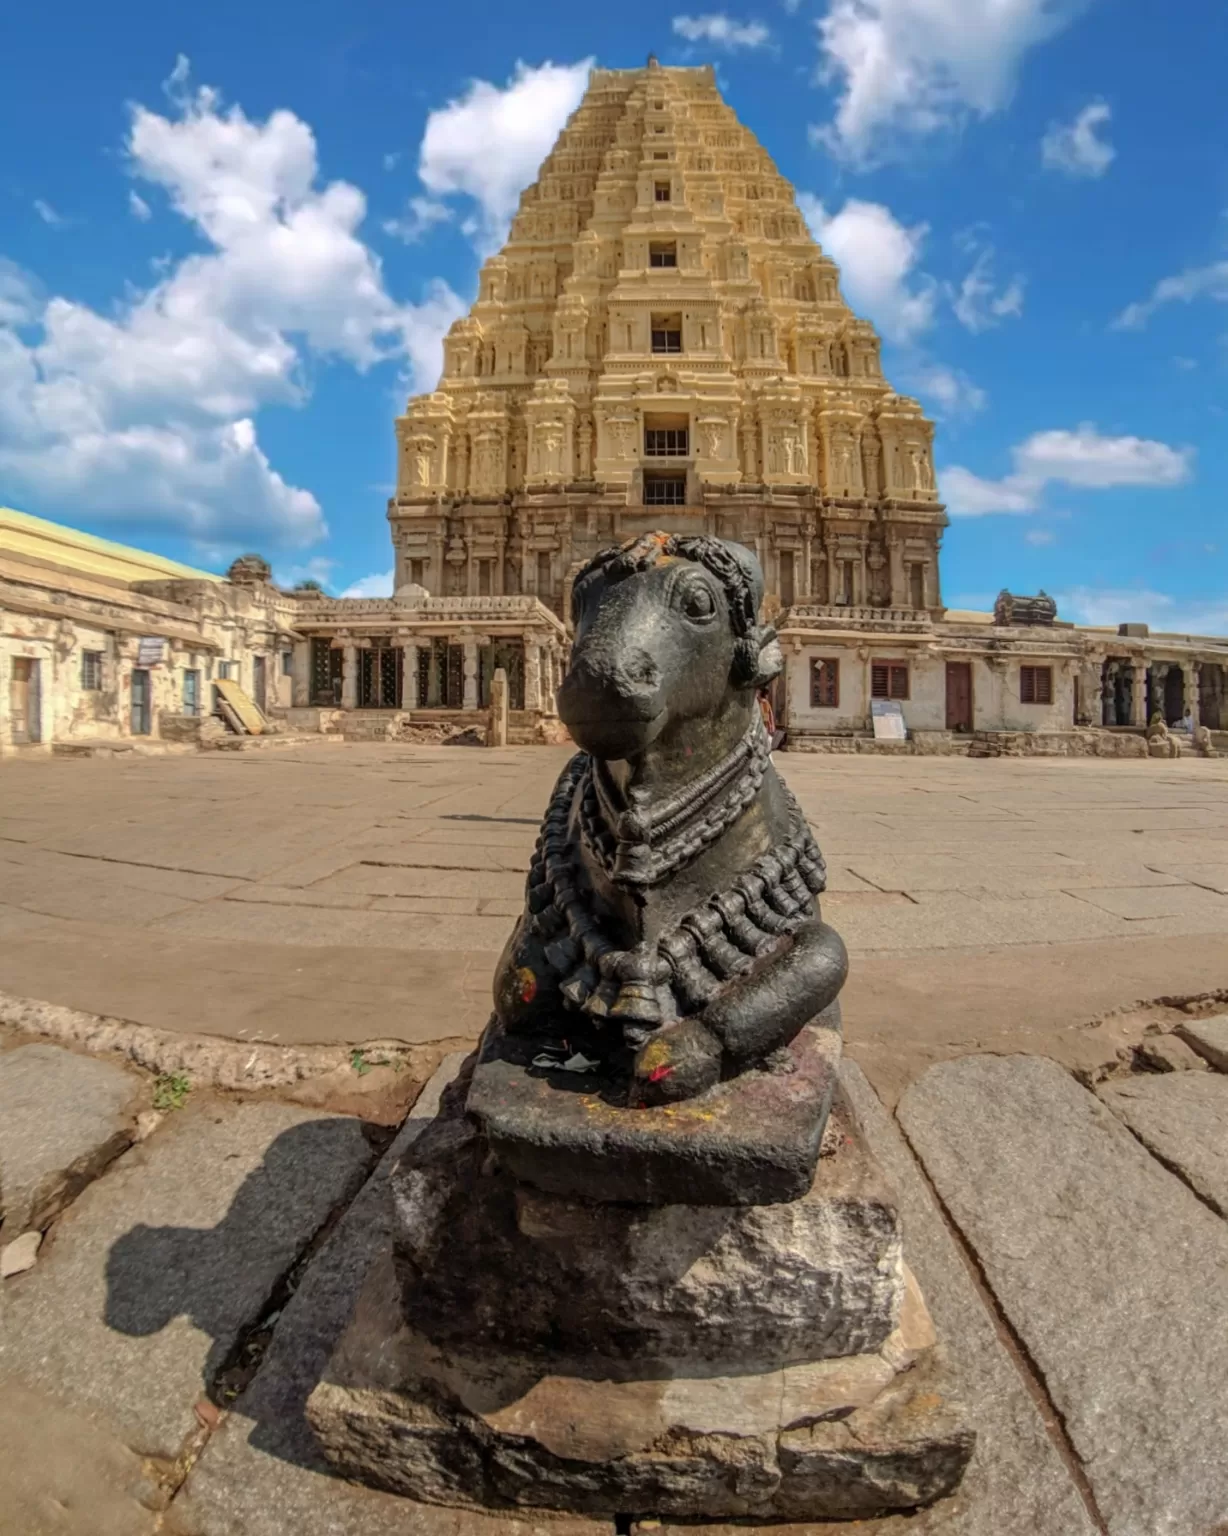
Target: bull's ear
<point x="757" y="657"/>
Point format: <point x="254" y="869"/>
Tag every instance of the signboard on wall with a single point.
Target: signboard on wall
<point x="888" y="719"/>
<point x="151" y="651"/>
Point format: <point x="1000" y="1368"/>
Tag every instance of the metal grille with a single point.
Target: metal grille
<point x="666" y="341"/>
<point x="666" y="442"/>
<point x="663" y="255"/>
<point x="664" y="490"/>
<point x="91" y="671"/>
<point x="824" y="683"/>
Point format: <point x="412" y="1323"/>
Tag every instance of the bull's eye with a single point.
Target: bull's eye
<point x="698" y="602"/>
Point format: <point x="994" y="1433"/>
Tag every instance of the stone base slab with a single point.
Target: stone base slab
<point x="752" y="1140"/>
<point x="852" y="1437"/>
<point x="488" y="1263"/>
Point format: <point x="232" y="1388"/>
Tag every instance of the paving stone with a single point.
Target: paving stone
<point x="1109" y="1269"/>
<point x="261" y="1474"/>
<point x="1183" y="1118"/>
<point x="60" y="1475"/>
<point x="158" y="1267"/>
<point x="1168" y="1053"/>
<point x="1209" y="1037"/>
<point x="63" y="1118"/>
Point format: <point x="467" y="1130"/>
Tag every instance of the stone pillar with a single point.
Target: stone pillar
<point x="409" y="675"/>
<point x="1138" y="692"/>
<point x="300" y="683"/>
<point x="1192" y="700"/>
<point x="434" y="679"/>
<point x="349" y="675"/>
<point x="801" y="579"/>
<point x="533" y="674"/>
<point x="899" y="586"/>
<point x="496" y="731"/>
<point x="470" y="698"/>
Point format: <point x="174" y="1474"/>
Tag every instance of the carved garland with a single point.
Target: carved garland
<point x="654" y="983"/>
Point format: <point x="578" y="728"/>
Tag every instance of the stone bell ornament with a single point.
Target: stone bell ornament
<point x="642" y="1261"/>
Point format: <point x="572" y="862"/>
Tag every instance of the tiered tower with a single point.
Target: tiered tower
<point x="661" y="343"/>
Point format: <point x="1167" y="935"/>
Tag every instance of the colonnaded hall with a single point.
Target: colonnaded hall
<point x="660" y="344"/>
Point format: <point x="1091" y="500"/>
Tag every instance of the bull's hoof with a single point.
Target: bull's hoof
<point x="678" y="1062"/>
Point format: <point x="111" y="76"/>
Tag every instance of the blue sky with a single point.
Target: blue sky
<point x="231" y="237"/>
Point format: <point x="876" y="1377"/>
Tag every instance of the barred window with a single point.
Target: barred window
<point x="889" y="679"/>
<point x="667" y="333"/>
<point x="824" y="683"/>
<point x="660" y="191"/>
<point x="663" y="253"/>
<point x="666" y="442"/>
<point x="91" y="671"/>
<point x="664" y="490"/>
<point x="1036" y="685"/>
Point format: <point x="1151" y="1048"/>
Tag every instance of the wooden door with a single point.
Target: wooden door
<point x="260" y="686"/>
<point x="959" y="696"/>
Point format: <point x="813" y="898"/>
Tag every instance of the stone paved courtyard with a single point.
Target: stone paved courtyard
<point x="1062" y="1182"/>
<point x="351" y="893"/>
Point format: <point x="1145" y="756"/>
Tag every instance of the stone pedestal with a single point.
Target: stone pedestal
<point x="522" y="1349"/>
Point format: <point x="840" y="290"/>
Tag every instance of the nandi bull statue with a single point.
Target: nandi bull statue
<point x="642" y="1261"/>
<point x="671" y="927"/>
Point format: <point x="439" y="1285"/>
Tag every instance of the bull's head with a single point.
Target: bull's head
<point x="666" y="631"/>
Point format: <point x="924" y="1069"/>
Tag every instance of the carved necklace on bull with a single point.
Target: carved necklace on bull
<point x="643" y="844"/>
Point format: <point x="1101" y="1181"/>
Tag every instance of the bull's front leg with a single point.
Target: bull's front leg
<point x="757" y="1014"/>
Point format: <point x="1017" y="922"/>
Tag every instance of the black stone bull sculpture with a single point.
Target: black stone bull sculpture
<point x="671" y="931"/>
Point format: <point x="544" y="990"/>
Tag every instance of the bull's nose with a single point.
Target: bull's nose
<point x="596" y="686"/>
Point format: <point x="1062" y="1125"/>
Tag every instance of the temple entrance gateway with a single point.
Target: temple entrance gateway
<point x="326" y="664"/>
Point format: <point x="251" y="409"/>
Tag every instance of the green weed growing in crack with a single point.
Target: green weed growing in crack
<point x="171" y="1090"/>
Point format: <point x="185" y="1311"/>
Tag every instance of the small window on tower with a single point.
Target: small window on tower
<point x="667" y="333"/>
<point x="666" y="437"/>
<point x="663" y="253"/>
<point x="660" y="192"/>
<point x="660" y="154"/>
<point x="664" y="490"/>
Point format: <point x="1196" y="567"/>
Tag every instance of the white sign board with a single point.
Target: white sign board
<point x="150" y="651"/>
<point x="888" y="720"/>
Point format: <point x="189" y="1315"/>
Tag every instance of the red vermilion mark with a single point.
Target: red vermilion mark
<point x="658" y="1073"/>
<point x="528" y="986"/>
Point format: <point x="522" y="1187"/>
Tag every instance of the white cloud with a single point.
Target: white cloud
<point x="1210" y="282"/>
<point x="377" y="585"/>
<point x="978" y="304"/>
<point x="488" y="144"/>
<point x="318" y="568"/>
<point x="722" y="31"/>
<point x="20" y="298"/>
<point x="423" y="214"/>
<point x="48" y="214"/>
<point x="1040" y="537"/>
<point x="1083" y="458"/>
<point x="1159" y="610"/>
<point x="145" y="410"/>
<point x="138" y="207"/>
<point x="1074" y="147"/>
<point x="909" y="68"/>
<point x="949" y="390"/>
<point x="877" y="256"/>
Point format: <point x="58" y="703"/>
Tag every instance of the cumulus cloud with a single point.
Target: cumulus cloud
<point x="1084" y="459"/>
<point x="146" y="410"/>
<point x="421" y="216"/>
<point x="377" y="585"/>
<point x="722" y="31"/>
<point x="877" y="257"/>
<point x="910" y="68"/>
<point x="1075" y="148"/>
<point x="978" y="302"/>
<point x="20" y="296"/>
<point x="948" y="391"/>
<point x="1210" y="282"/>
<point x="487" y="145"/>
<point x="138" y="207"/>
<point x="1111" y="606"/>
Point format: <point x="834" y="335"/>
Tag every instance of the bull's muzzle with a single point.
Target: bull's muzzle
<point x="613" y="709"/>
